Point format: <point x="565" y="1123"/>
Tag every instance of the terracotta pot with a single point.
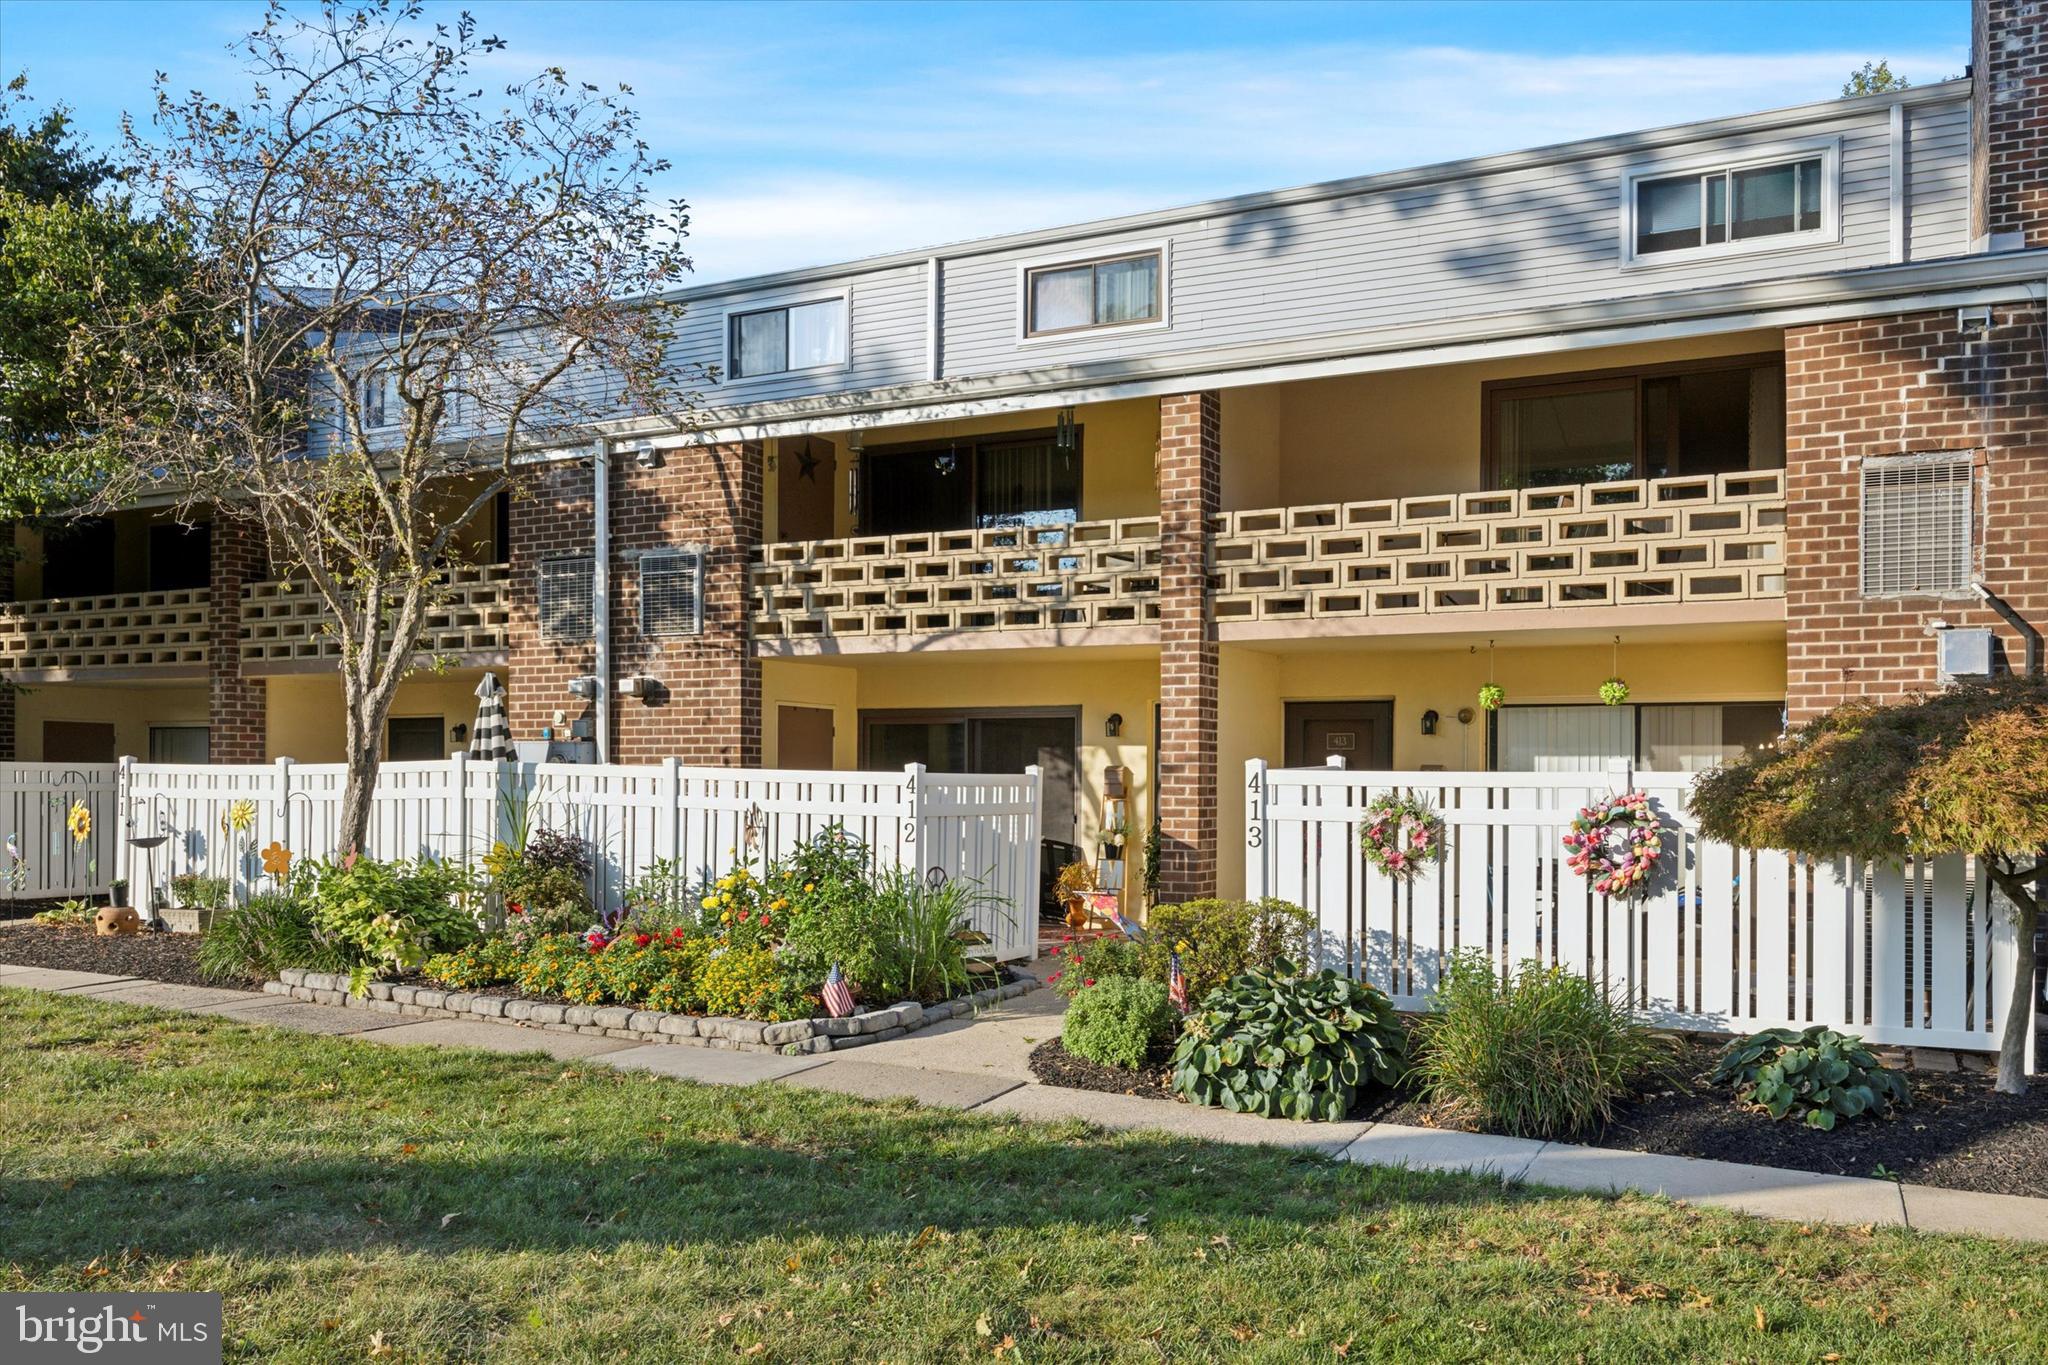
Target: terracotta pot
<point x="1077" y="913"/>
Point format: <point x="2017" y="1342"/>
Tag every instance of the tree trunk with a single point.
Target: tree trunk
<point x="363" y="711"/>
<point x="2019" y="998"/>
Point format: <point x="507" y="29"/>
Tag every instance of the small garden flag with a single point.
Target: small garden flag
<point x="1176" y="984"/>
<point x="838" y="999"/>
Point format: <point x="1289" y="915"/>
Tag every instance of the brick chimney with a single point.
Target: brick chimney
<point x="2009" y="124"/>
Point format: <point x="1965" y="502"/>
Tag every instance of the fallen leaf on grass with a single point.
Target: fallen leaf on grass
<point x="448" y="1218"/>
<point x="1760" y="1325"/>
<point x="982" y="1327"/>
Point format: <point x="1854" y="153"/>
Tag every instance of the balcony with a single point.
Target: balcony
<point x="869" y="593"/>
<point x="285" y="625"/>
<point x="1717" y="538"/>
<point x="158" y="634"/>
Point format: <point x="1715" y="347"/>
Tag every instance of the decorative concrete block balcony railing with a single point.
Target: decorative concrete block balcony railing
<point x="1707" y="538"/>
<point x="139" y="634"/>
<point x="285" y="624"/>
<point x="1081" y="576"/>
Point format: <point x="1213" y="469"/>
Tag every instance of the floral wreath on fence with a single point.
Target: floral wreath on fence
<point x="1401" y="834"/>
<point x="1615" y="844"/>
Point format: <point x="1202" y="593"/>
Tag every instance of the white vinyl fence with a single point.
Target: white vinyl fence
<point x="39" y="858"/>
<point x="981" y="829"/>
<point x="1728" y="939"/>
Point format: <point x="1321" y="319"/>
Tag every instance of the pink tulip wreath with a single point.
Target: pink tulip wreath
<point x="1402" y="835"/>
<point x="1615" y="844"/>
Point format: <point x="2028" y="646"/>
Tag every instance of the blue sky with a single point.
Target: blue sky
<point x="804" y="134"/>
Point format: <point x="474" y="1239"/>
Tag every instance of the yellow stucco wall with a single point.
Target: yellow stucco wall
<point x="1126" y="684"/>
<point x="304" y="713"/>
<point x="130" y="710"/>
<point x="1118" y="443"/>
<point x="1255" y="684"/>
<point x="1401" y="433"/>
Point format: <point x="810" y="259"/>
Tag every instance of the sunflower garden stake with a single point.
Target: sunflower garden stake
<point x="79" y="823"/>
<point x="1614" y="691"/>
<point x="238" y="819"/>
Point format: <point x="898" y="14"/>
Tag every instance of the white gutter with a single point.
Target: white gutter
<point x="601" y="593"/>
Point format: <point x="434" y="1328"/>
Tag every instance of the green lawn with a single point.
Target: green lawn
<point x="468" y="1206"/>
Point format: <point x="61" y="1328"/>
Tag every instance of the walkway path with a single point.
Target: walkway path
<point x="981" y="1064"/>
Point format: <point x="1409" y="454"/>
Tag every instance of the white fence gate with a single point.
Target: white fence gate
<point x="1729" y="939"/>
<point x="980" y="829"/>
<point x="39" y="858"/>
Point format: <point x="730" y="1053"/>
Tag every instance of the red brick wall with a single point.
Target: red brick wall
<point x="549" y="515"/>
<point x="1190" y="470"/>
<point x="1899" y="385"/>
<point x="236" y="719"/>
<point x="707" y="709"/>
<point x="2009" y="120"/>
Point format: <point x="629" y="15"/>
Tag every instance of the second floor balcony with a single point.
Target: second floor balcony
<point x="130" y="635"/>
<point x="285" y="626"/>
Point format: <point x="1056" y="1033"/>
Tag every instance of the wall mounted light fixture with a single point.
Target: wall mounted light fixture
<point x="1429" y="720"/>
<point x="1113" y="726"/>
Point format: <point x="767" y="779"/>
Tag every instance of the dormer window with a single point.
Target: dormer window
<point x="802" y="336"/>
<point x="1730" y="207"/>
<point x="1114" y="291"/>
<point x="377" y="400"/>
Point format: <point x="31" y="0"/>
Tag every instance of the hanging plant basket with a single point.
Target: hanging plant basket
<point x="1614" y="692"/>
<point x="1491" y="696"/>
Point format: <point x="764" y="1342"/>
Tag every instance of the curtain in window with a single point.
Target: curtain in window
<point x="1025" y="483"/>
<point x="1127" y="291"/>
<point x="1062" y="299"/>
<point x="760" y="343"/>
<point x="817" y="334"/>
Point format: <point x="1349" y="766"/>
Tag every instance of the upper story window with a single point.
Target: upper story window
<point x="1694" y="417"/>
<point x="801" y="336"/>
<point x="378" y="399"/>
<point x="1729" y="207"/>
<point x="1116" y="291"/>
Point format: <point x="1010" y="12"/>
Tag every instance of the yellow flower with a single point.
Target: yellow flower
<point x="781" y="903"/>
<point x="79" y="822"/>
<point x="709" y="902"/>
<point x="725" y="918"/>
<point x="1181" y="946"/>
<point x="810" y="887"/>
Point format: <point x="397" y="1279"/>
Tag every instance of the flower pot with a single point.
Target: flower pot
<point x="188" y="919"/>
<point x="1077" y="913"/>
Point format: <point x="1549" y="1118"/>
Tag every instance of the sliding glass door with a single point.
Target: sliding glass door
<point x="970" y="741"/>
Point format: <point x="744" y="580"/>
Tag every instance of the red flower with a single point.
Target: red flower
<point x="1054" y="977"/>
<point x="1087" y="980"/>
<point x="515" y="908"/>
<point x="1054" y="951"/>
<point x="642" y="940"/>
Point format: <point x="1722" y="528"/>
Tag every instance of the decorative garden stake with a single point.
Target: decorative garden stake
<point x="1402" y="834"/>
<point x="1615" y="844"/>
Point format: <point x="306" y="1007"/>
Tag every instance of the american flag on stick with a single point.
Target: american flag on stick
<point x="1176" y="984"/>
<point x="838" y="999"/>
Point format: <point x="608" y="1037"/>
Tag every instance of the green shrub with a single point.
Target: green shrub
<point x="265" y="934"/>
<point x="1219" y="940"/>
<point x="1287" y="1046"/>
<point x="1546" y="1054"/>
<point x="922" y="935"/>
<point x="1086" y="959"/>
<point x="199" y="891"/>
<point x="543" y="885"/>
<point x="392" y="915"/>
<point x="1815" y="1073"/>
<point x="1116" y="1022"/>
<point x="487" y="962"/>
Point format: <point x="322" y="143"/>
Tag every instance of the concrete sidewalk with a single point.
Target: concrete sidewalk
<point x="981" y="1064"/>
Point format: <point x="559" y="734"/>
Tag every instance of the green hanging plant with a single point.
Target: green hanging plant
<point x="1614" y="691"/>
<point x="1491" y="696"/>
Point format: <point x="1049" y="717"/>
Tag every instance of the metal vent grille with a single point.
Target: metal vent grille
<point x="672" y="592"/>
<point x="565" y="599"/>
<point x="1917" y="525"/>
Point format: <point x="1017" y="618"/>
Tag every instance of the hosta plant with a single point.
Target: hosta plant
<point x="1815" y="1074"/>
<point x="1287" y="1045"/>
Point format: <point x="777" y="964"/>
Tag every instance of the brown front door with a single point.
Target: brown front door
<point x="804" y="738"/>
<point x="806" y="472"/>
<point x="1359" y="732"/>
<point x="77" y="741"/>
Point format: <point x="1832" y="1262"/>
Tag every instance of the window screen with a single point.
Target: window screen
<point x="565" y="598"/>
<point x="1917" y="525"/>
<point x="672" y="593"/>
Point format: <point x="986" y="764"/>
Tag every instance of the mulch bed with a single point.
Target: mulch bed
<point x="1052" y="1064"/>
<point x="159" y="957"/>
<point x="1959" y="1134"/>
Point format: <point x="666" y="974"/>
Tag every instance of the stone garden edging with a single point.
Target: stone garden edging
<point x="792" y="1037"/>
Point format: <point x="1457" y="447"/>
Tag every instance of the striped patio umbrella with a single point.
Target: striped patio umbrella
<point x="491" y="740"/>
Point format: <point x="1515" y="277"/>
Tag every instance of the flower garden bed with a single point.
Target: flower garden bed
<point x="788" y="1037"/>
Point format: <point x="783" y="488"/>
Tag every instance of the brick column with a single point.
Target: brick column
<point x="549" y="514"/>
<point x="706" y="706"/>
<point x="1900" y="385"/>
<point x="2009" y="124"/>
<point x="1190" y="470"/>
<point x="236" y="717"/>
